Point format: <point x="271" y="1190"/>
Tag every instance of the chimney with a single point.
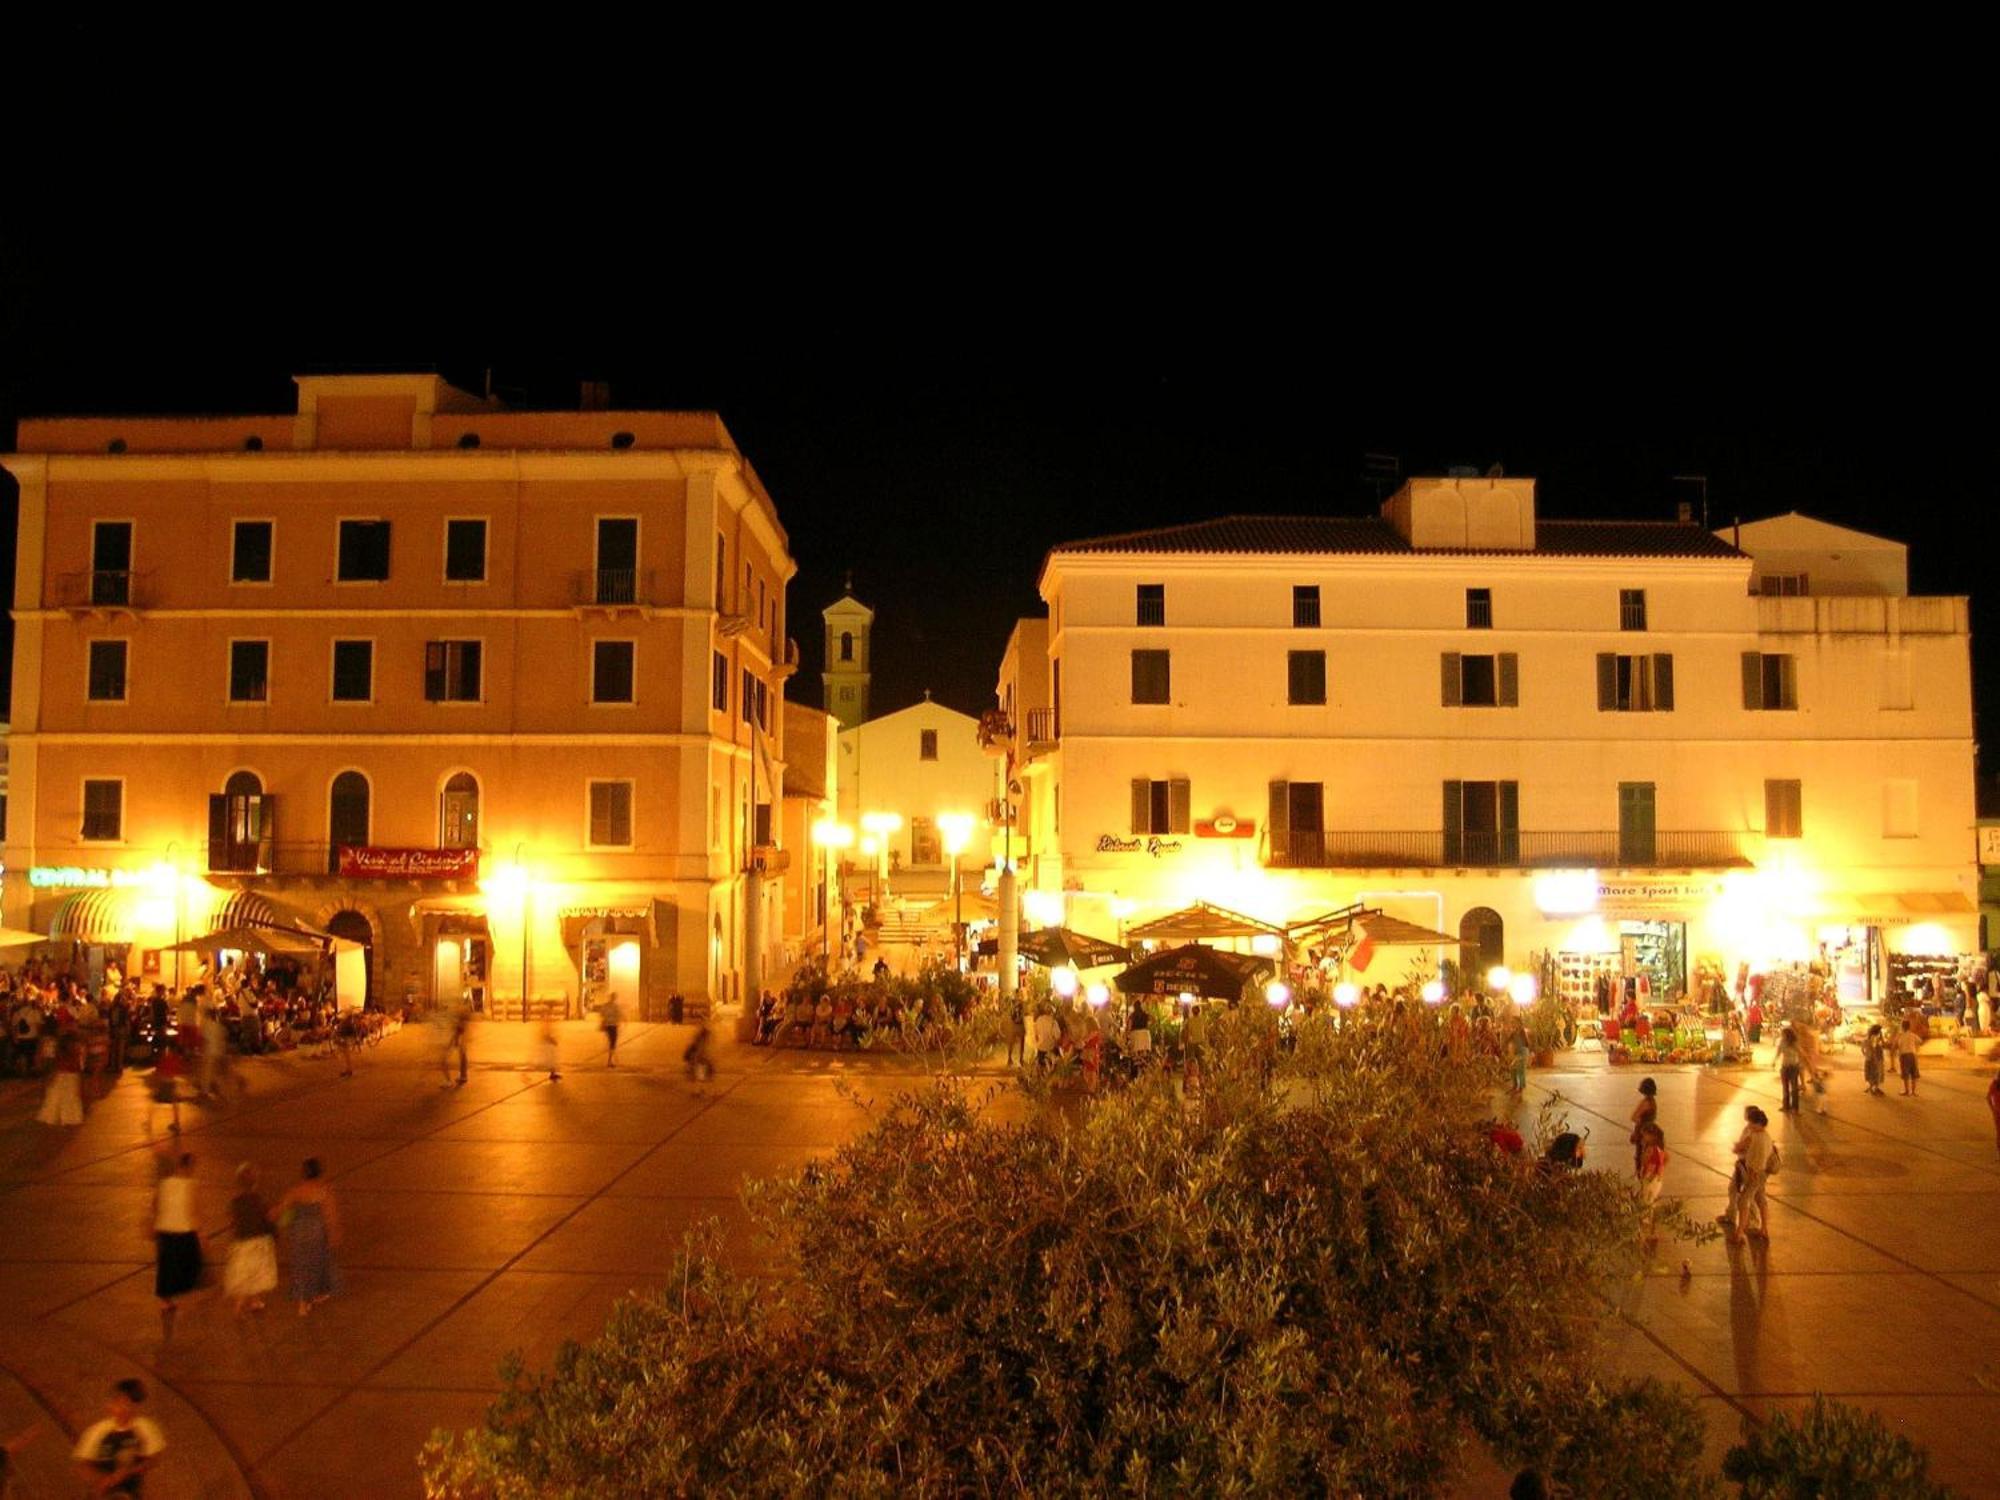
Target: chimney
<point x="596" y="396"/>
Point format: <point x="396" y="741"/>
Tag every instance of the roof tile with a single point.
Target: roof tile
<point x="1371" y="534"/>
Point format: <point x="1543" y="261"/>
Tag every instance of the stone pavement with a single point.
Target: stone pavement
<point x="511" y="1213"/>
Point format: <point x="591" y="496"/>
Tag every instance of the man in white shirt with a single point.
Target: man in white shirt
<point x="115" y="1454"/>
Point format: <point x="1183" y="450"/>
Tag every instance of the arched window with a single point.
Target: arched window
<point x="847" y="645"/>
<point x="239" y="825"/>
<point x="1482" y="943"/>
<point x="243" y="784"/>
<point x="346" y="815"/>
<point x="458" y="812"/>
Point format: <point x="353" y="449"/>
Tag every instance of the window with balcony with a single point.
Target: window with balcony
<point x="1479" y="609"/>
<point x="1635" y="684"/>
<point x="1152" y="678"/>
<point x="249" y="671"/>
<point x="349" y="805"/>
<point x="465" y="550"/>
<point x="1637" y="840"/>
<point x="353" y="671"/>
<point x="103" y="811"/>
<point x="1160" y="806"/>
<point x="612" y="671"/>
<point x="250" y="552"/>
<point x="241" y="825"/>
<point x="1784" y="811"/>
<point x="1305" y="606"/>
<point x="610" y="814"/>
<point x="1305" y="677"/>
<point x="363" y="552"/>
<point x="1296" y="823"/>
<point x="1152" y="604"/>
<point x="1482" y="822"/>
<point x="111" y="562"/>
<point x="1480" y="681"/>
<point x="1769" y="681"/>
<point x="1631" y="609"/>
<point x="458" y="812"/>
<point x="106" y="678"/>
<point x="618" y="560"/>
<point x="451" y="671"/>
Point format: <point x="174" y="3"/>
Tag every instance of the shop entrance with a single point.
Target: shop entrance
<point x="460" y="961"/>
<point x="1482" y="942"/>
<point x="611" y="960"/>
<point x="354" y="927"/>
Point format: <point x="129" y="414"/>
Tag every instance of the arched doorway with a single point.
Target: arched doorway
<point x="356" y="928"/>
<point x="346" y="816"/>
<point x="1482" y="943"/>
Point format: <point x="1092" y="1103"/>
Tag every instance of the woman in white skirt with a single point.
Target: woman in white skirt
<point x="62" y="1104"/>
<point x="251" y="1273"/>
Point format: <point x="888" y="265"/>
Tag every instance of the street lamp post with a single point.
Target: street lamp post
<point x="831" y="835"/>
<point x="880" y="825"/>
<point x="957" y="830"/>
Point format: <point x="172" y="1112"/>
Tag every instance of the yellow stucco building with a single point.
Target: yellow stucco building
<point x="497" y="692"/>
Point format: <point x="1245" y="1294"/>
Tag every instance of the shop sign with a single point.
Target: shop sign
<point x="1226" y="827"/>
<point x="1616" y="897"/>
<point x="1153" y="844"/>
<point x="367" y="862"/>
<point x="71" y="878"/>
<point x="1989" y="844"/>
<point x="592" y="913"/>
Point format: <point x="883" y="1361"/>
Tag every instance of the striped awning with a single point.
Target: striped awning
<point x="94" y="917"/>
<point x="247" y="909"/>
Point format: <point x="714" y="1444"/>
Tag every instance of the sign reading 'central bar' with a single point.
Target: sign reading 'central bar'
<point x="364" y="862"/>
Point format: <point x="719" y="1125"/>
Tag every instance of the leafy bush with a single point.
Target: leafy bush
<point x="1329" y="1281"/>
<point x="1828" y="1452"/>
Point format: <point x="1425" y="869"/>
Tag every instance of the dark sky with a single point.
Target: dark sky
<point x="934" y="414"/>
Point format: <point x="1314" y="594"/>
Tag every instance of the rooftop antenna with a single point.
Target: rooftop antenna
<point x="1700" y="482"/>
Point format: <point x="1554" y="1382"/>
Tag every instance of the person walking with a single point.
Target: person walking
<point x="1756" y="1154"/>
<point x="169" y="1068"/>
<point x="1907" y="1043"/>
<point x="251" y="1272"/>
<point x="547" y="1053"/>
<point x="62" y="1100"/>
<point x="115" y="1453"/>
<point x="456" y="1024"/>
<point x="1017" y="1032"/>
<point x="1517" y="1043"/>
<point x="1790" y="1068"/>
<point x="1652" y="1170"/>
<point x="1753" y="1020"/>
<point x="176" y="1240"/>
<point x="1993" y="1106"/>
<point x="610" y="1018"/>
<point x="118" y="1031"/>
<point x="1643" y="1115"/>
<point x="312" y="1233"/>
<point x="1873" y="1053"/>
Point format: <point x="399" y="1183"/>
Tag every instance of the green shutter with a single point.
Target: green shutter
<point x="1142" y="805"/>
<point x="1454" y="822"/>
<point x="1510" y="822"/>
<point x="1753" y="679"/>
<point x="1452" y="684"/>
<point x="1607" y="681"/>
<point x="1663" y="681"/>
<point x="1510" y="679"/>
<point x="1177" y="806"/>
<point x="1278" y="822"/>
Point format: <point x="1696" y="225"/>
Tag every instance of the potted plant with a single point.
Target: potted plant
<point x="1546" y="1030"/>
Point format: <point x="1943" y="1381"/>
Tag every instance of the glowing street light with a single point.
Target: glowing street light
<point x="1346" y="994"/>
<point x="956" y="827"/>
<point x="1522" y="988"/>
<point x="1498" y="978"/>
<point x="831" y="834"/>
<point x="1278" y="993"/>
<point x="1062" y="980"/>
<point x="1433" y="992"/>
<point x="1098" y="994"/>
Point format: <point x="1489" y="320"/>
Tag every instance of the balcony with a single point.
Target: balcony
<point x="1044" y="728"/>
<point x="613" y="589"/>
<point x="111" y="591"/>
<point x="1350" y="849"/>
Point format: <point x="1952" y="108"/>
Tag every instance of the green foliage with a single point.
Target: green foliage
<point x="1828" y="1452"/>
<point x="1545" y="1022"/>
<point x="1315" y="1278"/>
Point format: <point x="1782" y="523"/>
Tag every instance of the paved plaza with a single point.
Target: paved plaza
<point x="511" y="1213"/>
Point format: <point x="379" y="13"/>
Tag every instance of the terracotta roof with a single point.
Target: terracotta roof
<point x="1362" y="534"/>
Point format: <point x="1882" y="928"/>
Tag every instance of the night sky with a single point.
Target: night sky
<point x="934" y="421"/>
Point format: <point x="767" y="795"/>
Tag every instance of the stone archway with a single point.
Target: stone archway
<point x="346" y="920"/>
<point x="1482" y="943"/>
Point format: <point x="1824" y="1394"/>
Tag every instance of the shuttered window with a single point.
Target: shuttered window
<point x="1480" y="681"/>
<point x="1305" y="606"/>
<point x="1160" y="806"/>
<point x="611" y="814"/>
<point x="1152" y="678"/>
<point x="1482" y="822"/>
<point x="451" y="671"/>
<point x="1783" y="810"/>
<point x="1635" y="684"/>
<point x="1769" y="681"/>
<point x="1305" y="677"/>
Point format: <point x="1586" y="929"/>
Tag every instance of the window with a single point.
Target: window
<point x="241" y="825"/>
<point x="1631" y="609"/>
<point x="458" y="812"/>
<point x="1305" y="677"/>
<point x="1305" y="606"/>
<point x="1783" y="813"/>
<point x="1151" y="677"/>
<point x="721" y="567"/>
<point x="111" y="562"/>
<point x="1899" y="809"/>
<point x="249" y="671"/>
<point x="103" y="811"/>
<point x="1152" y="604"/>
<point x="1635" y="684"/>
<point x="250" y="552"/>
<point x="1898" y="691"/>
<point x="1769" y="681"/>
<point x="107" y="672"/>
<point x="1482" y="822"/>
<point x="718" y="692"/>
<point x="1783" y="585"/>
<point x="465" y="551"/>
<point x="611" y="671"/>
<point x="1479" y="609"/>
<point x="1481" y="681"/>
<point x="617" y="560"/>
<point x="763" y="704"/>
<point x="925" y="847"/>
<point x="748" y="702"/>
<point x="927" y="744"/>
<point x="1297" y="823"/>
<point x="1636" y="842"/>
<point x="353" y="671"/>
<point x="611" y="814"/>
<point x="847" y="645"/>
<point x="451" y="671"/>
<point x="1160" y="806"/>
<point x="347" y="815"/>
<point x="364" y="552"/>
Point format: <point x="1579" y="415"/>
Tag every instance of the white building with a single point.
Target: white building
<point x="1590" y="739"/>
<point x="898" y="776"/>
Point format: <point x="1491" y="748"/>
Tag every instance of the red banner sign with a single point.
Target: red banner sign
<point x="362" y="862"/>
<point x="1226" y="827"/>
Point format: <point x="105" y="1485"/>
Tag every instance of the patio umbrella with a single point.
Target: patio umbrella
<point x="269" y="941"/>
<point x="14" y="937"/>
<point x="1052" y="947"/>
<point x="1194" y="969"/>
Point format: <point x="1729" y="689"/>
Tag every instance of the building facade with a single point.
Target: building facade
<point x="496" y="692"/>
<point x="902" y="779"/>
<point x="1627" y="748"/>
<point x="809" y="804"/>
<point x="845" y="682"/>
